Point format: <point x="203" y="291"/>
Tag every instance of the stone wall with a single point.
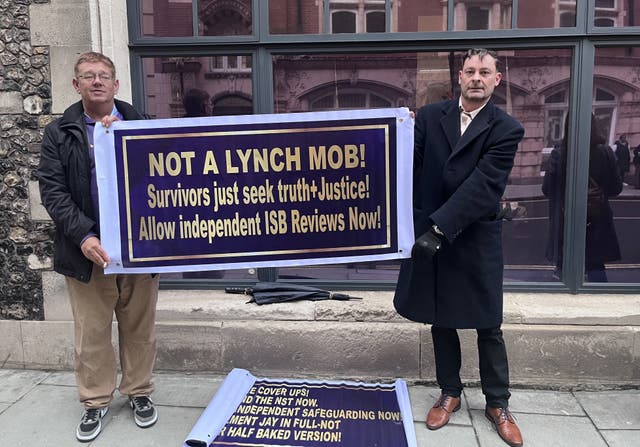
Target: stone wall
<point x="25" y="107"/>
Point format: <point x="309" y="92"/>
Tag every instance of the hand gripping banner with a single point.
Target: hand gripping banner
<point x="214" y="193"/>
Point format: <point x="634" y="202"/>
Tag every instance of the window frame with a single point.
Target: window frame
<point x="582" y="39"/>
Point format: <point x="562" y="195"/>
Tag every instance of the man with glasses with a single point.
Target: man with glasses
<point x="69" y="192"/>
<point x="464" y="152"/>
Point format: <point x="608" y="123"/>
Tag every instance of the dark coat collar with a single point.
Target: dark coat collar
<point x="450" y="122"/>
<point x="74" y="115"/>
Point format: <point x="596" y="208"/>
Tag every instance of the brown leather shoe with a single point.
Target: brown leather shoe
<point x="440" y="413"/>
<point x="505" y="425"/>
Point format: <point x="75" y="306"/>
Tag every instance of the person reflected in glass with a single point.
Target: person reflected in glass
<point x="601" y="241"/>
<point x="623" y="155"/>
<point x="196" y="102"/>
<point x="636" y="164"/>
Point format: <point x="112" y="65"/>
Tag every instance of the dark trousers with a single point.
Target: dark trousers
<point x="494" y="367"/>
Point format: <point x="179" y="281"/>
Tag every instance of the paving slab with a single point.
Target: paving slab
<point x="621" y="438"/>
<point x="18" y="422"/>
<point x="174" y="424"/>
<point x="451" y="435"/>
<point x="16" y="383"/>
<point x="185" y="390"/>
<point x="11" y="354"/>
<point x="532" y="401"/>
<point x="542" y="431"/>
<point x="62" y="378"/>
<point x="612" y="409"/>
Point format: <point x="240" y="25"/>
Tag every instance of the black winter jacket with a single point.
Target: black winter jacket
<point x="64" y="174"/>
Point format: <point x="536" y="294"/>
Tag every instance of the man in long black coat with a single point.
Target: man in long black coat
<point x="464" y="152"/>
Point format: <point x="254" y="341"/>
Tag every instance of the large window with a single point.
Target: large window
<point x="197" y="86"/>
<point x="174" y="18"/>
<point x="357" y="16"/>
<point x="212" y="57"/>
<point x="482" y="15"/>
<point x="611" y="242"/>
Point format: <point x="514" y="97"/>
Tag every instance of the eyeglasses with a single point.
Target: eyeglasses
<point x="88" y="77"/>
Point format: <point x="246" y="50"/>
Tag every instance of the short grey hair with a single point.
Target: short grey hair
<point x="481" y="53"/>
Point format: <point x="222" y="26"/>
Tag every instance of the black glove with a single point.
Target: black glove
<point x="427" y="245"/>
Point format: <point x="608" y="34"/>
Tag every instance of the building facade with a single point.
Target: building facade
<point x="562" y="61"/>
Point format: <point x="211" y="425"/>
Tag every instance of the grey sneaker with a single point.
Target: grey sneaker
<point x="90" y="424"/>
<point x="144" y="413"/>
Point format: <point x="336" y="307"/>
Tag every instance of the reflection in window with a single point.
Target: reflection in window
<point x="357" y="16"/>
<point x="174" y="18"/>
<point x="610" y="4"/>
<point x="481" y="15"/>
<point x="603" y="22"/>
<point x="477" y="17"/>
<point x="231" y="63"/>
<point x="375" y="22"/>
<point x="232" y="105"/>
<point x="548" y="14"/>
<point x="296" y="16"/>
<point x="604" y="106"/>
<point x="167" y="18"/>
<point x="567" y="19"/>
<point x="176" y="87"/>
<point x="343" y="81"/>
<point x="610" y="13"/>
<point x="355" y="100"/>
<point x="613" y="248"/>
<point x="556" y="106"/>
<point x="224" y="17"/>
<point x="534" y="90"/>
<point x="343" y="22"/>
<point x="168" y="82"/>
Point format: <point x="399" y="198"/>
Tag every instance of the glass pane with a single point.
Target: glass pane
<point x="351" y="16"/>
<point x="481" y="15"/>
<point x="610" y="13"/>
<point x="612" y="245"/>
<point x="556" y="14"/>
<point x="357" y="16"/>
<point x="167" y="18"/>
<point x="375" y="22"/>
<point x="343" y="22"/>
<point x="419" y="16"/>
<point x="534" y="89"/>
<point x="199" y="86"/>
<point x="224" y="18"/>
<point x="296" y="16"/>
<point x="343" y="81"/>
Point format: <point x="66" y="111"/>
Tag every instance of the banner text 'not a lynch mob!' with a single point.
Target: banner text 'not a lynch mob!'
<point x="264" y="160"/>
<point x="257" y="193"/>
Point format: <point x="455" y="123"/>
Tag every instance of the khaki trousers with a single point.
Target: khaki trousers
<point x="133" y="298"/>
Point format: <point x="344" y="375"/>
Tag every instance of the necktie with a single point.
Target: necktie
<point x="465" y="120"/>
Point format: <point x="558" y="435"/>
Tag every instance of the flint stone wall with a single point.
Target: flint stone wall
<point x="25" y="109"/>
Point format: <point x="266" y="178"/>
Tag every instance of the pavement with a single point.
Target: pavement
<point x="40" y="408"/>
